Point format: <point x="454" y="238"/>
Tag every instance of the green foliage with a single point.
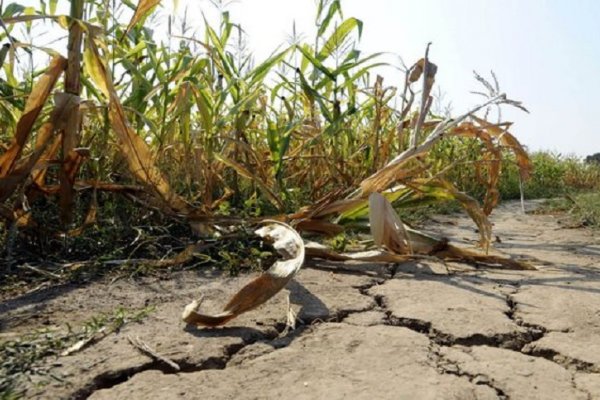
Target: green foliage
<point x="553" y="174"/>
<point x="584" y="208"/>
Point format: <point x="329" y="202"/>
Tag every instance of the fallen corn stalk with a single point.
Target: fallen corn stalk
<point x="399" y="243"/>
<point x="290" y="246"/>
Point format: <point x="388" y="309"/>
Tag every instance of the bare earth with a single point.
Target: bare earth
<point x="420" y="330"/>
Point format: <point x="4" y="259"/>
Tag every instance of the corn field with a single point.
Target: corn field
<point x="198" y="130"/>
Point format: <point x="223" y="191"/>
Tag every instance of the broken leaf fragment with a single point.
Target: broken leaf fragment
<point x="290" y="246"/>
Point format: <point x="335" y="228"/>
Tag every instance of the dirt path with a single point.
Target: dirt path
<point x="417" y="330"/>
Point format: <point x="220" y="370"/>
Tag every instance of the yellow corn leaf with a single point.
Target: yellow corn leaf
<point x="26" y="165"/>
<point x="35" y="102"/>
<point x="134" y="149"/>
<point x="95" y="70"/>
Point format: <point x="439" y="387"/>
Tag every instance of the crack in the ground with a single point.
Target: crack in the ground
<point x="538" y="332"/>
<point x="448" y="367"/>
<point x="512" y="341"/>
<point x="518" y="341"/>
<point x="588" y="395"/>
<point x="113" y="378"/>
<point x="515" y="340"/>
<point x="572" y="364"/>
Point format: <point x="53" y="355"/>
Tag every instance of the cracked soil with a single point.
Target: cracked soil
<point x="418" y="330"/>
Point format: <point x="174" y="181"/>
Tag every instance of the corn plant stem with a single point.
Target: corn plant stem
<point x="378" y="95"/>
<point x="424" y="100"/>
<point x="70" y="137"/>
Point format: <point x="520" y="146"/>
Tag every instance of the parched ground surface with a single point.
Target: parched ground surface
<point x="419" y="330"/>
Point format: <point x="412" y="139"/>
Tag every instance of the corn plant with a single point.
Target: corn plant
<point x="195" y="127"/>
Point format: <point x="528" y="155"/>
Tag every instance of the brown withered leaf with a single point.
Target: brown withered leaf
<point x="508" y="140"/>
<point x="135" y="150"/>
<point x="319" y="226"/>
<point x="35" y="102"/>
<point x="417" y="70"/>
<point x="26" y="165"/>
<point x="143" y="8"/>
<point x="290" y="246"/>
<point x="491" y="160"/>
<point x="425" y="244"/>
<point x="49" y="153"/>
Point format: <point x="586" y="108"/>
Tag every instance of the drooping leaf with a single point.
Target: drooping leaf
<point x="508" y="140"/>
<point x="134" y="148"/>
<point x="26" y="165"/>
<point x="35" y="102"/>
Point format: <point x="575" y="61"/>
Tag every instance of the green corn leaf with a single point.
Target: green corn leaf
<point x="334" y="8"/>
<point x="339" y="36"/>
<point x="307" y="53"/>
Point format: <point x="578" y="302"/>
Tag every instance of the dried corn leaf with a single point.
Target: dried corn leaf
<point x="290" y="246"/>
<point x="48" y="154"/>
<point x="454" y="253"/>
<point x="319" y="226"/>
<point x="35" y="102"/>
<point x="319" y="251"/>
<point x="491" y="159"/>
<point x="386" y="227"/>
<point x="508" y="140"/>
<point x="417" y="70"/>
<point x="143" y="8"/>
<point x="135" y="150"/>
<point x="424" y="244"/>
<point x="24" y="166"/>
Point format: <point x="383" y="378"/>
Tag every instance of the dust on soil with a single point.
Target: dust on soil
<point x="422" y="330"/>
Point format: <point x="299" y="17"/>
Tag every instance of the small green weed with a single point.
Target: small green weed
<point x="23" y="357"/>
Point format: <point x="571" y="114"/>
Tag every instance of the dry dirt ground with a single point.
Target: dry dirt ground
<point x="420" y="330"/>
